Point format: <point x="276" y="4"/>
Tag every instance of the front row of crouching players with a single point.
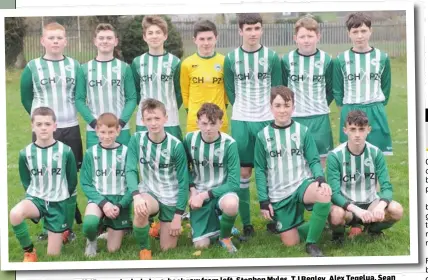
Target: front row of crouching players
<point x="353" y="170"/>
<point x="289" y="179"/>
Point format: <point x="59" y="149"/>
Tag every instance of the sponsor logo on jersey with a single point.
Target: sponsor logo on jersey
<point x="349" y="62"/>
<point x="368" y="162"/>
<point x="143" y="64"/>
<point x="217" y="67"/>
<point x="262" y="61"/>
<point x="115" y="69"/>
<point x="269" y="139"/>
<point x="239" y="62"/>
<point x="195" y="65"/>
<point x="96" y="157"/>
<point x="69" y="68"/>
<point x="345" y="163"/>
<point x="194" y="148"/>
<point x="30" y="157"/>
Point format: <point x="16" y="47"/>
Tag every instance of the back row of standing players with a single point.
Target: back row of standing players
<point x="358" y="79"/>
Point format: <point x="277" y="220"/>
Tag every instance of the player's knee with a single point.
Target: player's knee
<point x="337" y="215"/>
<point x="395" y="210"/>
<point x="16" y="216"/>
<point x="289" y="242"/>
<point x="230" y="205"/>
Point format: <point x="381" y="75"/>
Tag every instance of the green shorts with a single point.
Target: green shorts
<point x="166" y="213"/>
<point x="289" y="212"/>
<point x="123" y="221"/>
<point x="92" y="138"/>
<point x="53" y="213"/>
<point x="173" y="130"/>
<point x="204" y="221"/>
<point x="380" y="135"/>
<point x="245" y="134"/>
<point x="320" y="129"/>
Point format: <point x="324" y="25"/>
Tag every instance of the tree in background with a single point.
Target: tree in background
<point x="15" y="29"/>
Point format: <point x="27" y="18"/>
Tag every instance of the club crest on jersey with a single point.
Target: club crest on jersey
<point x="318" y="64"/>
<point x="165" y="153"/>
<point x="56" y="156"/>
<point x="217" y="67"/>
<point x="119" y="158"/>
<point x="166" y="64"/>
<point x="278" y="225"/>
<point x="69" y="68"/>
<point x="262" y="61"/>
<point x="368" y="162"/>
<point x="295" y="138"/>
<point x="217" y="152"/>
<point x="374" y="62"/>
<point x="115" y="69"/>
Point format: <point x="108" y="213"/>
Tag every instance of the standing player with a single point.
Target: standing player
<point x="103" y="182"/>
<point x="48" y="173"/>
<point x="157" y="74"/>
<point x="353" y="170"/>
<point x="106" y="85"/>
<point x="159" y="159"/>
<point x="362" y="81"/>
<point x="214" y="159"/>
<point x="201" y="76"/>
<point x="308" y="73"/>
<point x="289" y="176"/>
<point x="249" y="73"/>
<point x="50" y="81"/>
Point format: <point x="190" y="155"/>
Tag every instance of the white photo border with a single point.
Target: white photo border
<point x="195" y="8"/>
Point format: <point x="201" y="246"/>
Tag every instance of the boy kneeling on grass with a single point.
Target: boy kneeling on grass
<point x="353" y="170"/>
<point x="103" y="182"/>
<point x="47" y="169"/>
<point x="289" y="176"/>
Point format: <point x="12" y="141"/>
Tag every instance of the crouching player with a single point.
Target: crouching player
<point x="160" y="160"/>
<point x="214" y="161"/>
<point x="47" y="169"/>
<point x="103" y="182"/>
<point x="289" y="176"/>
<point x="353" y="170"/>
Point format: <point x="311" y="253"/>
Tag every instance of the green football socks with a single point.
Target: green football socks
<point x="317" y="221"/>
<point x="90" y="226"/>
<point x="226" y="225"/>
<point x="244" y="202"/>
<point x="141" y="234"/>
<point x="21" y="233"/>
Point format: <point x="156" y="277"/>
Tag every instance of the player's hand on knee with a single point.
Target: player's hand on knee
<point x="364" y="215"/>
<point x="108" y="210"/>
<point x="116" y="211"/>
<point x="267" y="213"/>
<point x="140" y="206"/>
<point x="378" y="214"/>
<point x="324" y="189"/>
<point x="197" y="201"/>
<point x="175" y="226"/>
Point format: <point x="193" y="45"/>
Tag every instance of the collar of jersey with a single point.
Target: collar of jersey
<point x="362" y="152"/>
<point x="317" y="51"/>
<point x="54" y="143"/>
<point x="120" y="145"/>
<point x="212" y="141"/>
<point x="63" y="58"/>
<point x="206" y="57"/>
<point x="281" y="127"/>
<point x="242" y="49"/>
<point x="158" y="55"/>
<point x="148" y="137"/>
<point x="372" y="49"/>
<point x="104" y="60"/>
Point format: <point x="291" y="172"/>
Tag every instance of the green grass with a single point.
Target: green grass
<point x="395" y="243"/>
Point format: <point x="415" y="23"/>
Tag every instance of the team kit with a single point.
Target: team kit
<point x="143" y="183"/>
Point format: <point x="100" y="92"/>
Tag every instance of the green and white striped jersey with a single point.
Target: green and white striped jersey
<point x="215" y="166"/>
<point x="108" y="87"/>
<point x="310" y="78"/>
<point x="248" y="78"/>
<point x="162" y="168"/>
<point x="48" y="83"/>
<point x="158" y="77"/>
<point x="353" y="178"/>
<point x="104" y="170"/>
<point x="284" y="157"/>
<point x="362" y="78"/>
<point x="48" y="173"/>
